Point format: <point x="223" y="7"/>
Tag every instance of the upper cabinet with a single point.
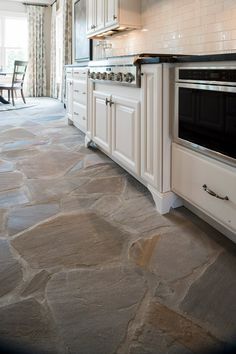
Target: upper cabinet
<point x="95" y="16"/>
<point x="109" y="16"/>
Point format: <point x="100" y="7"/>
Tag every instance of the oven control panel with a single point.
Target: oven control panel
<point x="128" y="75"/>
<point x="225" y="76"/>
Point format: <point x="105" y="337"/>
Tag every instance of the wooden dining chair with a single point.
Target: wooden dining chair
<point x="17" y="81"/>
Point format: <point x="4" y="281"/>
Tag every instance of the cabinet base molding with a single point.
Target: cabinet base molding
<point x="70" y="122"/>
<point x="221" y="228"/>
<point x="165" y="201"/>
<point x="87" y="141"/>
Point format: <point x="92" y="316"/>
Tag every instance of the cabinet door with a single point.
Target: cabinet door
<point x="111" y="12"/>
<point x="90" y="14"/>
<point x="99" y="15"/>
<point x="151" y="125"/>
<point x="102" y="121"/>
<point x="126" y="131"/>
<point x="69" y="98"/>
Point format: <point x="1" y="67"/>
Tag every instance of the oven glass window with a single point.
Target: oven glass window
<point x="208" y="118"/>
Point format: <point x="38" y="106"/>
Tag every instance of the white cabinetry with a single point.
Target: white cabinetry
<point x="207" y="184"/>
<point x="102" y="121"/>
<point x="69" y="93"/>
<point x="151" y="125"/>
<point x="95" y="16"/>
<point x="116" y="128"/>
<point x="106" y="15"/>
<point x="125" y="132"/>
<point x="77" y="97"/>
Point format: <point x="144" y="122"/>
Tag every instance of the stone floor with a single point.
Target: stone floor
<point x="87" y="266"/>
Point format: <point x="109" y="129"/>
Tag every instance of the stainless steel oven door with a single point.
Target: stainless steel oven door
<point x="205" y="119"/>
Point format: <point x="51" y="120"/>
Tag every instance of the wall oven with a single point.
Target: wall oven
<point x="205" y="110"/>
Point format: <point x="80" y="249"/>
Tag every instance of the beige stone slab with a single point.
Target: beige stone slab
<point x="71" y="241"/>
<point x="49" y="164"/>
<point x="105" y="185"/>
<point x="37" y="285"/>
<point x="166" y="331"/>
<point x="10" y="180"/>
<point x="14" y="134"/>
<point x="54" y="189"/>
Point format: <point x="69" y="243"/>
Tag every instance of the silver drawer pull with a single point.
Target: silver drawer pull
<point x="213" y="194"/>
<point x="84" y="93"/>
<point x="77" y="91"/>
<point x="84" y="118"/>
<point x="76" y="114"/>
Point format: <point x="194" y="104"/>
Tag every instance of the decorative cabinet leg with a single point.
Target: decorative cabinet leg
<point x="165" y="201"/>
<point x="87" y="142"/>
<point x="70" y="122"/>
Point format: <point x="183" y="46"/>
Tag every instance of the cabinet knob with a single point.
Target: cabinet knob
<point x="114" y="17"/>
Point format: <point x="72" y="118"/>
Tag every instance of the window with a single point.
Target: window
<point x="13" y="39"/>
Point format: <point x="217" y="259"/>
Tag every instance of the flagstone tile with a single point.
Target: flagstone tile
<point x="13" y="198"/>
<point x="10" y="180"/>
<point x="22" y="218"/>
<point x="94" y="307"/>
<point x="10" y="270"/>
<point x="66" y="240"/>
<point x="27" y="324"/>
<point x="49" y="164"/>
<point x="6" y="166"/>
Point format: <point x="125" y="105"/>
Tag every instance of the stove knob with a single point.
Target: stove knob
<point x="104" y="76"/>
<point x="98" y="76"/>
<point x="119" y="77"/>
<point x="111" y="76"/>
<point x="93" y="75"/>
<point x="129" y="77"/>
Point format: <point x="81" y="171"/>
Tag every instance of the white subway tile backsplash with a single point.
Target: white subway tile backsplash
<point x="182" y="26"/>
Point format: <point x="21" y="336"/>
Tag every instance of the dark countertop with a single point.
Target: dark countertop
<point x="175" y="58"/>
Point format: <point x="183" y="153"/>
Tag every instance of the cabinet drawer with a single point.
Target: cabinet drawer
<point x="69" y="73"/>
<point x="194" y="176"/>
<point x="80" y="74"/>
<point x="79" y="115"/>
<point x="80" y="92"/>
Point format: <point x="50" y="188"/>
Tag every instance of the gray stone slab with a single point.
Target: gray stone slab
<point x="49" y="164"/>
<point x="37" y="285"/>
<point x="93" y="307"/>
<point x="25" y="217"/>
<point x="10" y="180"/>
<point x="28" y="324"/>
<point x="211" y="299"/>
<point x="2" y="219"/>
<point x="13" y="198"/>
<point x="6" y="166"/>
<point x="71" y="241"/>
<point x="10" y="270"/>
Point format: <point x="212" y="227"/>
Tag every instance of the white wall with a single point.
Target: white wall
<point x="182" y="26"/>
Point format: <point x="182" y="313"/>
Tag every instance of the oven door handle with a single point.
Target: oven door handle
<point x="205" y="87"/>
<point x="213" y="194"/>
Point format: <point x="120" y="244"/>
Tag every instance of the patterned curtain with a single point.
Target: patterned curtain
<point x="37" y="64"/>
<point x="53" y="83"/>
<point x="67" y="38"/>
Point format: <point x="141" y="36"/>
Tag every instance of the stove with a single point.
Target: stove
<point x="125" y="70"/>
<point x="116" y="71"/>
